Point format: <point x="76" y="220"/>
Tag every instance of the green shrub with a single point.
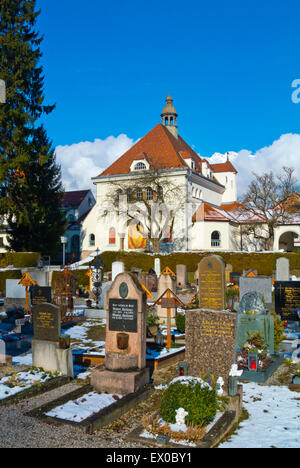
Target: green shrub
<point x="19" y="259"/>
<point x="180" y="322"/>
<point x="195" y="396"/>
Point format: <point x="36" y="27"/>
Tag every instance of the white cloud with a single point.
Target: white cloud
<point x="282" y="152"/>
<point x="82" y="161"/>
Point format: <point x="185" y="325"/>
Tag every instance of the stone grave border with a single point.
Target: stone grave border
<point x="35" y="390"/>
<point x="215" y="435"/>
<point x="263" y="375"/>
<point x="103" y="418"/>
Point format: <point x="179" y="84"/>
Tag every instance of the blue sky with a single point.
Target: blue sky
<point x="229" y="66"/>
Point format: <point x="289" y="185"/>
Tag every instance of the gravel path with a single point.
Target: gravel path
<point x="20" y="431"/>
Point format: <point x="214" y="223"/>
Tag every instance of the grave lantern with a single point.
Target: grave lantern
<point x="183" y="369"/>
<point x="159" y="339"/>
<point x="253" y="362"/>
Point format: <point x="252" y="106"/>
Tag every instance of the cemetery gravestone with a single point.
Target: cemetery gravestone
<point x="2" y="353"/>
<point x="261" y="284"/>
<point x="46" y="351"/>
<point x="157" y="266"/>
<point x="253" y="318"/>
<point x="181" y="276"/>
<point x="41" y="295"/>
<point x="117" y="268"/>
<point x="15" y="294"/>
<point x="210" y="342"/>
<point x="282" y="269"/>
<point x="125" y="356"/>
<point x="228" y="270"/>
<point x="287" y="300"/>
<point x="166" y="282"/>
<point x="212" y="283"/>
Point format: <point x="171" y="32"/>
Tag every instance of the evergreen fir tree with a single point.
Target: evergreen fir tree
<point x="30" y="179"/>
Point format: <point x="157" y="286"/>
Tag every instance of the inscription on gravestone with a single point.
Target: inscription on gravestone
<point x="212" y="283"/>
<point x="40" y="295"/>
<point x="123" y="315"/>
<point x="210" y="342"/>
<point x="287" y="300"/>
<point x="46" y="322"/>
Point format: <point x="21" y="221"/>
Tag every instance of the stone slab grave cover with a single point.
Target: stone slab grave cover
<point x="210" y="338"/>
<point x="253" y="318"/>
<point x="125" y="356"/>
<point x="260" y="284"/>
<point x="282" y="269"/>
<point x="287" y="300"/>
<point x="212" y="283"/>
<point x="46" y="351"/>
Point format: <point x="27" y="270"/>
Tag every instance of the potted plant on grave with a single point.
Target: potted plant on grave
<point x="152" y="322"/>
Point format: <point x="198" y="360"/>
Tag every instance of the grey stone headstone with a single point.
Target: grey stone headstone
<point x="2" y="352"/>
<point x="282" y="269"/>
<point x="261" y="284"/>
<point x="2" y="92"/>
<point x="46" y="322"/>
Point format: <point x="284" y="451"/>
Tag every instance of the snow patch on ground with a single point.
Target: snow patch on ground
<point x="84" y="407"/>
<point x="274" y="418"/>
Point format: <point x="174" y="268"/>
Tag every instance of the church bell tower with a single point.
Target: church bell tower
<point x="169" y="117"/>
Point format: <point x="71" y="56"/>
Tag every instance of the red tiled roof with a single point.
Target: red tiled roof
<point x="207" y="212"/>
<point x="73" y="199"/>
<point x="223" y="167"/>
<point x="161" y="149"/>
<point x="235" y="212"/>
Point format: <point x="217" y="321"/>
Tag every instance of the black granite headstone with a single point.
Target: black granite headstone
<point x="287" y="300"/>
<point x="46" y="322"/>
<point x="41" y="295"/>
<point x="123" y="315"/>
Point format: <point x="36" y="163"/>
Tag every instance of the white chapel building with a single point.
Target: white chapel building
<point x="162" y="169"/>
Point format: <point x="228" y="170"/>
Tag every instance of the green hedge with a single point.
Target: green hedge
<point x="10" y="274"/>
<point x="265" y="263"/>
<point x="82" y="279"/>
<point x="19" y="259"/>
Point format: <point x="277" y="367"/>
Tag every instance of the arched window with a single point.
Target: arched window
<point x="149" y="194"/>
<point x="171" y="121"/>
<point x="215" y="239"/>
<point x="92" y="240"/>
<point x="140" y="166"/>
<point x="112" y="236"/>
<point x="139" y="194"/>
<point x="166" y="121"/>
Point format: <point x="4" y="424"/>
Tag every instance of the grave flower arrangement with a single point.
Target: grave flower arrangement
<point x="232" y="292"/>
<point x="254" y="345"/>
<point x="188" y="406"/>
